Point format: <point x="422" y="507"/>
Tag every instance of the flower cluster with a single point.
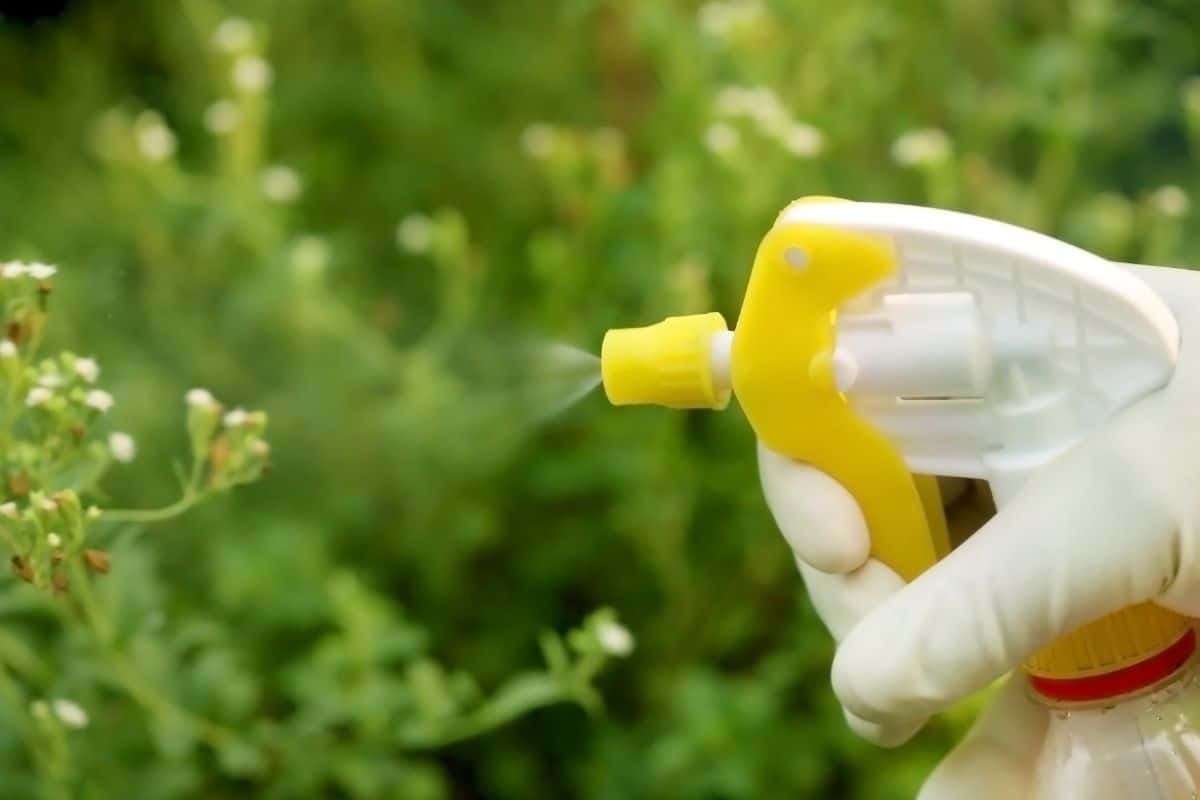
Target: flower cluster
<point x="236" y="38"/>
<point x="142" y="139"/>
<point x="762" y="108"/>
<point x="228" y="448"/>
<point x="237" y="116"/>
<point x="52" y="415"/>
<point x="1170" y="201"/>
<point x="724" y="18"/>
<point x="67" y="712"/>
<point x="569" y="150"/>
<point x="12" y="270"/>
<point x="46" y="533"/>
<point x="921" y="147"/>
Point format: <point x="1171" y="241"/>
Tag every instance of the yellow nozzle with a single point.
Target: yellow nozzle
<point x="668" y="364"/>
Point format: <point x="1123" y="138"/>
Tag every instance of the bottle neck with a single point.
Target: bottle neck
<point x="1128" y="681"/>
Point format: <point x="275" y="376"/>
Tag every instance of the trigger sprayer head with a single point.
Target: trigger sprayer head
<point x="682" y="362"/>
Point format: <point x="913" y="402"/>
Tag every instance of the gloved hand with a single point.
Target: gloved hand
<point x="1111" y="523"/>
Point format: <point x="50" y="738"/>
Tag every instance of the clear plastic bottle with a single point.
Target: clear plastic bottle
<point x="1141" y="746"/>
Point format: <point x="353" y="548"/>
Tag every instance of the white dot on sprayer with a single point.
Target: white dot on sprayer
<point x="796" y="257"/>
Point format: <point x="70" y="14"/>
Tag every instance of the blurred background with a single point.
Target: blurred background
<point x="363" y="217"/>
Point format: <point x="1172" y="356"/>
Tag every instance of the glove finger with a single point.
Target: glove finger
<point x="889" y="734"/>
<point x="819" y="518"/>
<point x="841" y="601"/>
<point x="996" y="759"/>
<point x="1083" y="538"/>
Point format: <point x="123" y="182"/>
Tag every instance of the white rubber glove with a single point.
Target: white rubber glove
<point x="1113" y="522"/>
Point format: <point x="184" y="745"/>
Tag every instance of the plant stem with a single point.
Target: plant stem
<point x="487" y="717"/>
<point x="190" y="498"/>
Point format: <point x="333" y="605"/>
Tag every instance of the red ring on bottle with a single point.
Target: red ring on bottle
<point x="1120" y="682"/>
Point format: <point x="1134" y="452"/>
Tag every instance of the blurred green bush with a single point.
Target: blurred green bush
<point x="352" y="214"/>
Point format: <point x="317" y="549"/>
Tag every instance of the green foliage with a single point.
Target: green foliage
<point x="355" y="215"/>
<point x="366" y="692"/>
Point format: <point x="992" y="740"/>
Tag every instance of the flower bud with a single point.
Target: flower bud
<point x="204" y="417"/>
<point x="98" y="561"/>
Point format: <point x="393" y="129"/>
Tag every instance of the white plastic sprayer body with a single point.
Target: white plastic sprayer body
<point x="976" y="349"/>
<point x="992" y="348"/>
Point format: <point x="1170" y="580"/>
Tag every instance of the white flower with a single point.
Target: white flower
<point x="1171" y="201"/>
<point x="538" y="140"/>
<point x="722" y="138"/>
<point x="803" y="140"/>
<point x="723" y="18"/>
<point x="281" y="184"/>
<point x="54" y="540"/>
<point x="921" y="147"/>
<point x="765" y="108"/>
<point x="155" y="141"/>
<point x="200" y="398"/>
<point x="38" y="396"/>
<point x="99" y="399"/>
<point x="50" y="380"/>
<point x="8" y="349"/>
<point x="39" y="271"/>
<point x="88" y="369"/>
<point x="222" y="117"/>
<point x="20" y="269"/>
<point x="714" y="18"/>
<point x="70" y="713"/>
<point x="310" y="256"/>
<point x="615" y="639"/>
<point x="762" y="105"/>
<point x="236" y="418"/>
<point x="732" y="101"/>
<point x="122" y="446"/>
<point x="414" y="234"/>
<point x="9" y="510"/>
<point x="251" y="74"/>
<point x="47" y="504"/>
<point x="233" y="35"/>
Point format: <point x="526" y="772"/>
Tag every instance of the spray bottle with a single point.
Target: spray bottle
<point x="885" y="344"/>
